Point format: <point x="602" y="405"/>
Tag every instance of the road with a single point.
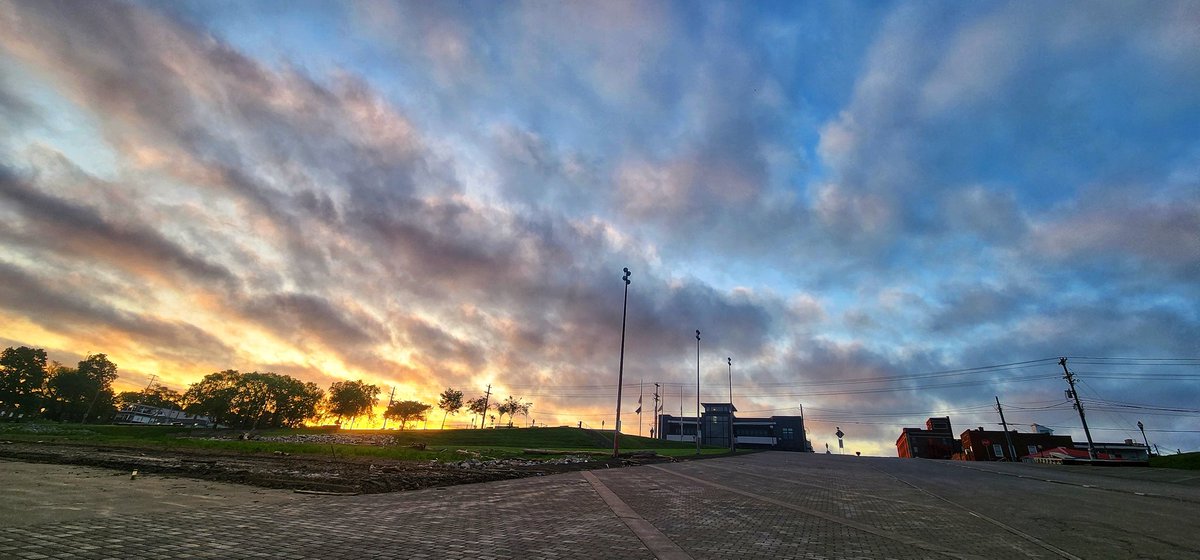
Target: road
<point x="765" y="505"/>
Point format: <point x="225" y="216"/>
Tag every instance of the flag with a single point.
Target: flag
<point x="639" y="410"/>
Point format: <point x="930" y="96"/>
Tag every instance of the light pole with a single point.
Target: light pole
<point x="1142" y="427"/>
<point x="621" y="367"/>
<point x="697" y="392"/>
<point x="732" y="445"/>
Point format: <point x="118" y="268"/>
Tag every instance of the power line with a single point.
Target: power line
<point x="1127" y="429"/>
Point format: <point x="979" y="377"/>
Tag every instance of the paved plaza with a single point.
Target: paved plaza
<point x="765" y="505"/>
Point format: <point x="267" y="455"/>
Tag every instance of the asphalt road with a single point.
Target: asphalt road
<point x="766" y="505"/>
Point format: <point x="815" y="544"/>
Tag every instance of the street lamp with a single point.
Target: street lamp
<point x="732" y="447"/>
<point x="697" y="392"/>
<point x="621" y="367"/>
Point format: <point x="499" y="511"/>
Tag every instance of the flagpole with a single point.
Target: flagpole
<point x="639" y="410"/>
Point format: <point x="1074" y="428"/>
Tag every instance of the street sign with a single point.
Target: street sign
<point x="839" y="433"/>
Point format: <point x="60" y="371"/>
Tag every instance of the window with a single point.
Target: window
<point x="1032" y="449"/>
<point x="998" y="450"/>
<point x="788" y="433"/>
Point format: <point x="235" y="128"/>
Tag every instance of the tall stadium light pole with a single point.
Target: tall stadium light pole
<point x="621" y="368"/>
<point x="732" y="447"/>
<point x="697" y="392"/>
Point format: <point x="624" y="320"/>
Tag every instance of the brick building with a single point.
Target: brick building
<point x="989" y="445"/>
<point x="936" y="441"/>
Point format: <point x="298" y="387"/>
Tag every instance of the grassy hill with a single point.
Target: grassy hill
<point x="393" y="444"/>
<point x="1190" y="461"/>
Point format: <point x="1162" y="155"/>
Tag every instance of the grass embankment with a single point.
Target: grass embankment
<point x="446" y="445"/>
<point x="1190" y="461"/>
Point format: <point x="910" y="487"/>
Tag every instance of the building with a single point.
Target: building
<point x="785" y="433"/>
<point x="989" y="445"/>
<point x="1127" y="451"/>
<point x="154" y="415"/>
<point x="936" y="441"/>
<point x="1122" y="454"/>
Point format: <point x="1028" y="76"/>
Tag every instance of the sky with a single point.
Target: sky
<point x="878" y="211"/>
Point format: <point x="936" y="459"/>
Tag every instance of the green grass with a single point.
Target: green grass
<point x="445" y="445"/>
<point x="1190" y="461"/>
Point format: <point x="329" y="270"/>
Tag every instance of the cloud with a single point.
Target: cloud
<point x="92" y="320"/>
<point x="60" y="226"/>
<point x="1121" y="225"/>
<point x="449" y="197"/>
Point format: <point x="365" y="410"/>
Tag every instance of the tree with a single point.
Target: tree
<point x="155" y="395"/>
<point x="213" y="396"/>
<point x="348" y="399"/>
<point x="451" y="400"/>
<point x="298" y="403"/>
<point x="407" y="411"/>
<point x="479" y="405"/>
<point x="523" y="409"/>
<point x="101" y="372"/>
<point x="505" y="407"/>
<point x="22" y="379"/>
<point x="254" y="399"/>
<point x="512" y="407"/>
<point x="69" y="394"/>
<point x="82" y="394"/>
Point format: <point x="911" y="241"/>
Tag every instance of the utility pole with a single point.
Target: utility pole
<point x="151" y="383"/>
<point x="697" y="392"/>
<point x="1007" y="439"/>
<point x="732" y="447"/>
<point x="486" y="397"/>
<point x="621" y="368"/>
<point x="393" y="396"/>
<point x="657" y="418"/>
<point x="1070" y="377"/>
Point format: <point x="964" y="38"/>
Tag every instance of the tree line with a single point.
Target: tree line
<point x="31" y="386"/>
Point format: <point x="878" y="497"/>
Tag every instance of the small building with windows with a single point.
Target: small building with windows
<point x="989" y="445"/>
<point x="785" y="433"/>
<point x="154" y="415"/>
<point x="936" y="441"/>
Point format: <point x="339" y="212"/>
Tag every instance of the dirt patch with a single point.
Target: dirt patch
<point x="340" y="474"/>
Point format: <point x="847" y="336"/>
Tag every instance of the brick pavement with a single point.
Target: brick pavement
<point x="767" y="505"/>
